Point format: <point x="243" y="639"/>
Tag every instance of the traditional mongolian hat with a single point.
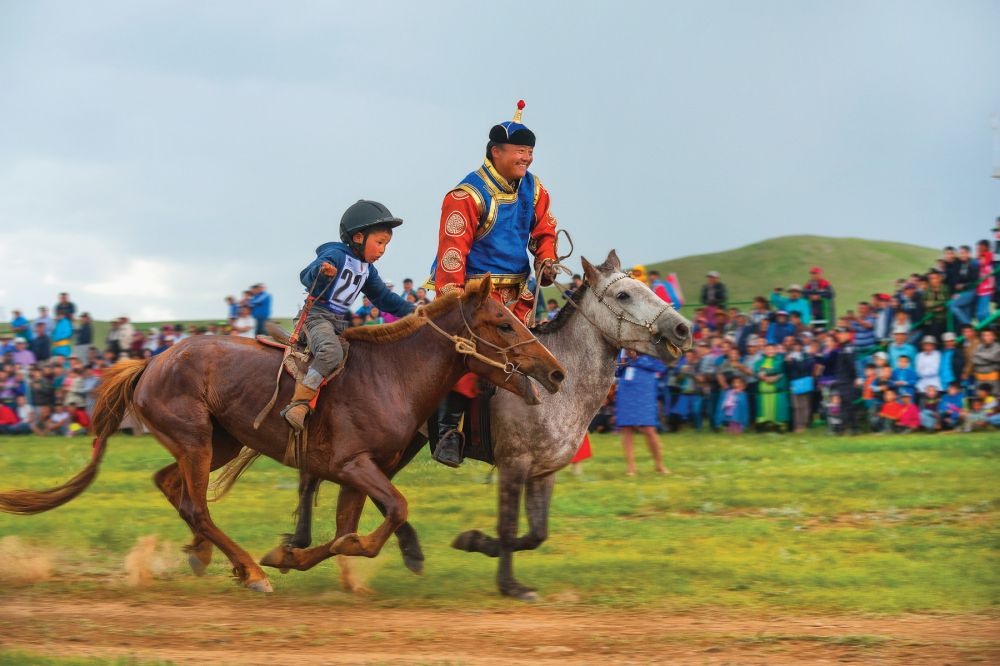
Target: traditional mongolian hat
<point x="513" y="131"/>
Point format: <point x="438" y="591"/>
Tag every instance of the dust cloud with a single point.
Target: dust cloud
<point x="23" y="564"/>
<point x="148" y="559"/>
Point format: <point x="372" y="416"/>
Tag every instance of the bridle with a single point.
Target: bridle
<point x="620" y="314"/>
<point x="469" y="347"/>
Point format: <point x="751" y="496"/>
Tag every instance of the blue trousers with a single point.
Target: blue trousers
<point x="961" y="306"/>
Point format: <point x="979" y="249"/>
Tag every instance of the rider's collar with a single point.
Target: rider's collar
<point x="499" y="180"/>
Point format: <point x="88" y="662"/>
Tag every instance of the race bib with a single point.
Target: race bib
<point x="629" y="374"/>
<point x="349" y="281"/>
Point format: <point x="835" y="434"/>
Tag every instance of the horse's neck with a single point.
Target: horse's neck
<point x="589" y="359"/>
<point x="425" y="362"/>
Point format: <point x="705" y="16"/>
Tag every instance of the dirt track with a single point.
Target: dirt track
<point x="273" y="631"/>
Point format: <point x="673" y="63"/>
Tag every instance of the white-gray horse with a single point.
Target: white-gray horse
<point x="611" y="312"/>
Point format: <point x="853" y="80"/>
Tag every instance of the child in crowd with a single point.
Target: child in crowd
<point x="951" y="407"/>
<point x="930" y="409"/>
<point x="909" y="417"/>
<point x="551" y="309"/>
<point x="734" y="409"/>
<point x="888" y="416"/>
<point x="904" y="377"/>
<point x="976" y="417"/>
<point x="834" y="420"/>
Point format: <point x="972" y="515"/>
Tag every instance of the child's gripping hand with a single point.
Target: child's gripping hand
<point x="328" y="269"/>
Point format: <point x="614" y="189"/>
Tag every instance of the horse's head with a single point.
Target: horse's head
<point x="515" y="353"/>
<point x="630" y="314"/>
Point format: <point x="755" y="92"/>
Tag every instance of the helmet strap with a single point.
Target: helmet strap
<point x="359" y="249"/>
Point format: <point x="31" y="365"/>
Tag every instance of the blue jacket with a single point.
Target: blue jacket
<point x="741" y="410"/>
<point x="260" y="306"/>
<point x="358" y="277"/>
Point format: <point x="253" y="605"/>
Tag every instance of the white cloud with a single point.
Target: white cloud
<point x="140" y="278"/>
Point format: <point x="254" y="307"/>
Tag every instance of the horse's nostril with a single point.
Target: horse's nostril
<point x="682" y="330"/>
<point x="557" y="376"/>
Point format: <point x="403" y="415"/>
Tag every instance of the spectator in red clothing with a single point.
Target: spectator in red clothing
<point x="819" y="293"/>
<point x="9" y="424"/>
<point x="987" y="284"/>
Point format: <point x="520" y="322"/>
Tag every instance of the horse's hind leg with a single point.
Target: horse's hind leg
<point x="170" y="483"/>
<point x="191" y="443"/>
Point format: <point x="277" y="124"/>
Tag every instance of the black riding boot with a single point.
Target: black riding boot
<point x="450" y="440"/>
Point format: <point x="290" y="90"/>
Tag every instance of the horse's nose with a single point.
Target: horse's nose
<point x="557" y="377"/>
<point x="681" y="331"/>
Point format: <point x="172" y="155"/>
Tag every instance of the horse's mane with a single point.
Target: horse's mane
<point x="564" y="314"/>
<point x="383" y="334"/>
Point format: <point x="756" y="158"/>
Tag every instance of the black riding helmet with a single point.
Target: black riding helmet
<point x="365" y="216"/>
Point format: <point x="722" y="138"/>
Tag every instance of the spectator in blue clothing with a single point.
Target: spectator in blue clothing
<point x="780" y="328"/>
<point x="260" y="306"/>
<point x="911" y="303"/>
<point x="44" y="319"/>
<point x="899" y="345"/>
<point x="232" y="308"/>
<point x="638" y="408"/>
<point x="883" y="314"/>
<point x="951" y="407"/>
<point x="792" y="303"/>
<point x="20" y="326"/>
<point x="904" y="376"/>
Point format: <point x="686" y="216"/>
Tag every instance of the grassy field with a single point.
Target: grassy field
<point x="814" y="524"/>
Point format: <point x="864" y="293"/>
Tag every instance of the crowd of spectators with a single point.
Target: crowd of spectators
<point x="923" y="357"/>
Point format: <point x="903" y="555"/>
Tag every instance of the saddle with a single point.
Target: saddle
<point x="295" y="361"/>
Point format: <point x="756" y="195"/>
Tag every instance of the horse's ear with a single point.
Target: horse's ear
<point x="612" y="264"/>
<point x="485" y="288"/>
<point x="593" y="277"/>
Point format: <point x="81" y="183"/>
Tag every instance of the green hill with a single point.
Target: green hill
<point x="856" y="267"/>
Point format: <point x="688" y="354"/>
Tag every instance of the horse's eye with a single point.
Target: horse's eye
<point x="622" y="296"/>
<point x="506" y="328"/>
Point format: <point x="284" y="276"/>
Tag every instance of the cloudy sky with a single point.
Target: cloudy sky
<point x="155" y="156"/>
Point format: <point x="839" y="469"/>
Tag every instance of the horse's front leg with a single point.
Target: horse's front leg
<point x="511" y="486"/>
<point x="282" y="556"/>
<point x="308" y="486"/>
<point x="537" y="499"/>
<point x="362" y="474"/>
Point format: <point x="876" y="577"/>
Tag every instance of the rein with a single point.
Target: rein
<point x="468" y="347"/>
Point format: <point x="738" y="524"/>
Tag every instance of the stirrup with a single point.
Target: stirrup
<point x="296" y="403"/>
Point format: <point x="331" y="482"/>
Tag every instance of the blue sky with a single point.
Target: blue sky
<point x="156" y="156"/>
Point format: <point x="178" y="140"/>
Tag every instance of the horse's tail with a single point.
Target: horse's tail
<point x="113" y="401"/>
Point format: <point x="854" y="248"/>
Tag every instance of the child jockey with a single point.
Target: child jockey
<point x="338" y="274"/>
<point x="489" y="223"/>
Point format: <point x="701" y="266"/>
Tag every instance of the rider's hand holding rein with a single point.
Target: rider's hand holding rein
<point x="328" y="270"/>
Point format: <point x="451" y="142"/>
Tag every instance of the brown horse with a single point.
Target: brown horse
<point x="199" y="399"/>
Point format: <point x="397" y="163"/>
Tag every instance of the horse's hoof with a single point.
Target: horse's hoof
<point x="262" y="585"/>
<point x="278" y="558"/>
<point x="467" y="540"/>
<point x="197" y="566"/>
<point x="349" y="544"/>
<point x="520" y="592"/>
<point x="413" y="564"/>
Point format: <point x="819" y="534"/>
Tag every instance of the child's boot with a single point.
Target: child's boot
<point x="298" y="409"/>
